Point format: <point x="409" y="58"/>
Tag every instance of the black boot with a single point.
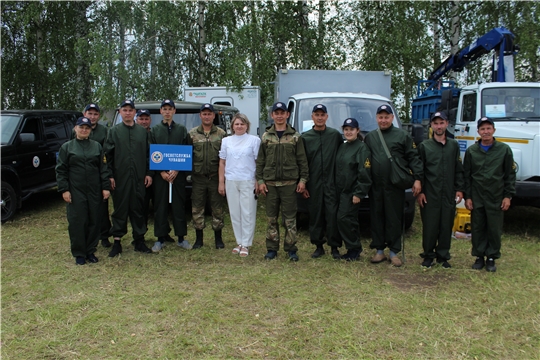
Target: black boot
<point x="219" y="240"/>
<point x="335" y="253"/>
<point x="198" y="240"/>
<point x="116" y="248"/>
<point x="140" y="246"/>
<point x="319" y="251"/>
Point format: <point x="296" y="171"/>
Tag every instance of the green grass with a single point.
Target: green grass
<point x="212" y="304"/>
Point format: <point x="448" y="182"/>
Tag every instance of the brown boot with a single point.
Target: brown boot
<point x="396" y="261"/>
<point x="377" y="258"/>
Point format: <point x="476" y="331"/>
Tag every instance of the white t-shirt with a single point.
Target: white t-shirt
<point x="240" y="153"/>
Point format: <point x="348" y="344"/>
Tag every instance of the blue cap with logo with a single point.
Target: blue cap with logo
<point x="83" y="121"/>
<point x="485" y="119"/>
<point x="90" y="107"/>
<point x="127" y="103"/>
<point x="279" y="106"/>
<point x="439" y="114"/>
<point x="351" y="122"/>
<point x="320" y="107"/>
<point x="386" y="108"/>
<point x="167" y="102"/>
<point x="207" y="107"/>
<point x="143" y="112"/>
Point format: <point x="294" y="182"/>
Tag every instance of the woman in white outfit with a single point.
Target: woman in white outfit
<point x="237" y="179"/>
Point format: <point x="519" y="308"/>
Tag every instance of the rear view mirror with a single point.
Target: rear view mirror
<point x="417" y="133"/>
<point x="27" y="137"/>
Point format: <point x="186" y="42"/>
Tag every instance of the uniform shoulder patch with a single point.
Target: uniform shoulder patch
<point x="460" y="159"/>
<point x="514" y="166"/>
<point x="367" y="164"/>
<point x="413" y="145"/>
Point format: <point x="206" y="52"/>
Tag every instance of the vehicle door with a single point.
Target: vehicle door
<point x="55" y="134"/>
<point x="32" y="152"/>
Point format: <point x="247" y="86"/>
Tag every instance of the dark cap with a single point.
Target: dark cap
<point x="439" y="114"/>
<point x="485" y="119"/>
<point x="167" y="102"/>
<point x="127" y="103"/>
<point x="279" y="106"/>
<point x="351" y="122"/>
<point x="386" y="108"/>
<point x="84" y="121"/>
<point x="91" y="106"/>
<point x="143" y="112"/>
<point x="320" y="107"/>
<point x="207" y="107"/>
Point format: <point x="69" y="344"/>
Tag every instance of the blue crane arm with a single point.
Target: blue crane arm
<point x="500" y="39"/>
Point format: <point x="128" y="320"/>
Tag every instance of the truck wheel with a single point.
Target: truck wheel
<point x="8" y="202"/>
<point x="409" y="218"/>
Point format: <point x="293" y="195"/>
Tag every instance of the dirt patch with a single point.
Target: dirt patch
<point x="407" y="282"/>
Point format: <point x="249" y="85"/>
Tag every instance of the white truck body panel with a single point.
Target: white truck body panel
<point x="247" y="101"/>
<point x="515" y="109"/>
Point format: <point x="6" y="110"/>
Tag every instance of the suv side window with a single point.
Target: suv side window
<point x="54" y="127"/>
<point x="32" y="126"/>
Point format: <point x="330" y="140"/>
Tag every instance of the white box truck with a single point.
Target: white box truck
<point x="247" y="101"/>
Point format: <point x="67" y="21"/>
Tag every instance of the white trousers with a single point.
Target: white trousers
<point x="243" y="210"/>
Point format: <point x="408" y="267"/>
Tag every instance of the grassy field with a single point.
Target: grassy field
<point x="204" y="304"/>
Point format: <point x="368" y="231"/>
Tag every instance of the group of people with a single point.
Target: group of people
<point x="333" y="175"/>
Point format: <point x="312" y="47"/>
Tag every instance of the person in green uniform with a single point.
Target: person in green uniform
<point x="321" y="144"/>
<point x="490" y="183"/>
<point x="169" y="133"/>
<point x="206" y="139"/>
<point x="353" y="180"/>
<point x="83" y="180"/>
<point x="144" y="119"/>
<point x="281" y="172"/>
<point x="99" y="134"/>
<point x="442" y="189"/>
<point x="387" y="201"/>
<point x="126" y="152"/>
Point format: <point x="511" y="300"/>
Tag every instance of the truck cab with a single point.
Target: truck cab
<point x="515" y="109"/>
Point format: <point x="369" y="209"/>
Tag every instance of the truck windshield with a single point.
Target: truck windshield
<point x="511" y="103"/>
<point x="339" y="109"/>
<point x="8" y="124"/>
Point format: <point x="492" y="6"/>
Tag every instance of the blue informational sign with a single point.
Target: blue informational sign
<point x="462" y="145"/>
<point x="171" y="157"/>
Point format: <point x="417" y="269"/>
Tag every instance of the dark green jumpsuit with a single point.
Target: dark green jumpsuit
<point x="321" y="148"/>
<point x="386" y="201"/>
<point x="443" y="177"/>
<point x="353" y="178"/>
<point x="99" y="134"/>
<point x="81" y="171"/>
<point x="174" y="135"/>
<point x="126" y="152"/>
<point x="490" y="176"/>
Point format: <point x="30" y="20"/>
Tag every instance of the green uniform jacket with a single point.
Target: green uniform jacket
<point x="443" y="171"/>
<point x="281" y="161"/>
<point x="489" y="176"/>
<point x="353" y="169"/>
<point x="401" y="145"/>
<point x="80" y="169"/>
<point x="126" y="153"/>
<point x="321" y="148"/>
<point x="206" y="149"/>
<point x="99" y="134"/>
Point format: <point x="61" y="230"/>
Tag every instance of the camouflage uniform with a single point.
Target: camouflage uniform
<point x="281" y="163"/>
<point x="205" y="176"/>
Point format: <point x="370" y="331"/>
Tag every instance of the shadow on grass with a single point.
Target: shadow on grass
<point x="37" y="203"/>
<point x="522" y="221"/>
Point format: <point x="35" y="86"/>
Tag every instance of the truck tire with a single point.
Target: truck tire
<point x="8" y="202"/>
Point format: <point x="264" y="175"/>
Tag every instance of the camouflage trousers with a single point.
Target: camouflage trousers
<point x="284" y="197"/>
<point x="204" y="189"/>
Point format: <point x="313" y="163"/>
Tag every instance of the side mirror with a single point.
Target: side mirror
<point x="27" y="137"/>
<point x="417" y="133"/>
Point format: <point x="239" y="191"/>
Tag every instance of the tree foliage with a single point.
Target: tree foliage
<point x="65" y="54"/>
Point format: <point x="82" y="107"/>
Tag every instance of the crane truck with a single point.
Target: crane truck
<point x="514" y="106"/>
